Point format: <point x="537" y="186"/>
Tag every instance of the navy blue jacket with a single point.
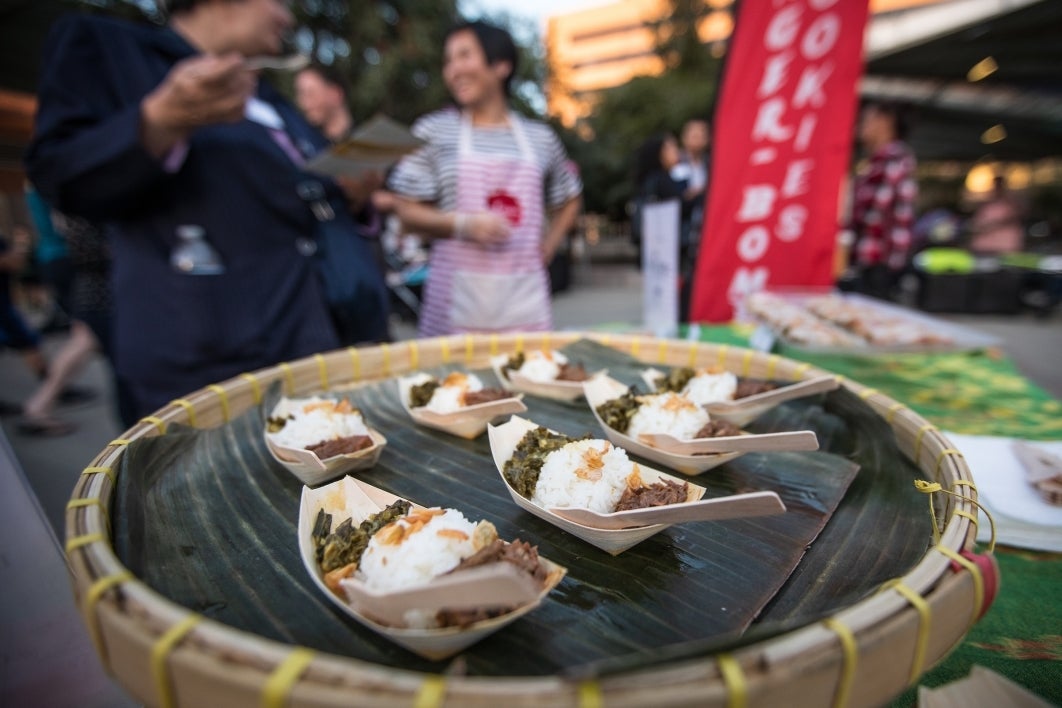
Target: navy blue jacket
<point x="175" y="333"/>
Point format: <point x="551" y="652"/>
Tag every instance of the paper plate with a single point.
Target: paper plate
<point x="604" y="389"/>
<point x="555" y="390"/>
<point x="312" y="470"/>
<point x="743" y="411"/>
<point x="503" y="441"/>
<point x="469" y="422"/>
<point x="349" y="496"/>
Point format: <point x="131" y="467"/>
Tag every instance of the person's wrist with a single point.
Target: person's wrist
<point x="461" y="226"/>
<point x="157" y="135"/>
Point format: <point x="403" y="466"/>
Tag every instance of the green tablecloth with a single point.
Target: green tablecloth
<point x="977" y="393"/>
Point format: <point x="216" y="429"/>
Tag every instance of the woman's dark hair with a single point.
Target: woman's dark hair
<point x="331" y="75"/>
<point x="497" y="45"/>
<point x="900" y="113"/>
<point x="647" y="158"/>
<point x="175" y="7"/>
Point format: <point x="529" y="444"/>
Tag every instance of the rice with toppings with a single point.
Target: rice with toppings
<point x="314" y="420"/>
<point x="705" y="388"/>
<point x="450" y="396"/>
<point x="669" y="413"/>
<point x="541" y="366"/>
<point x="586" y="473"/>
<point x="410" y="552"/>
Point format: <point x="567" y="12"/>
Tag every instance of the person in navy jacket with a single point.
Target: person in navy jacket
<point x="161" y="131"/>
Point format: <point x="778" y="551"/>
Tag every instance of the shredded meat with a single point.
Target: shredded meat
<point x="486" y="396"/>
<point x="660" y="494"/>
<point x="340" y="446"/>
<point x="572" y="372"/>
<point x="718" y="429"/>
<point x="750" y="387"/>
<point x="520" y="553"/>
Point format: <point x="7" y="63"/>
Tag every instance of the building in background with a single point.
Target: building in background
<point x="592" y="50"/>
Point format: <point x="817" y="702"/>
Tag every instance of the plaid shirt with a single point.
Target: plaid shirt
<point x="883" y="207"/>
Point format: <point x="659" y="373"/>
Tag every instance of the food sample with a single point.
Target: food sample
<point x="456" y="391"/>
<point x="553" y="470"/>
<point x="833" y="320"/>
<point x="399" y="548"/>
<point x="545" y="367"/>
<point x="712" y="385"/>
<point x="324" y="426"/>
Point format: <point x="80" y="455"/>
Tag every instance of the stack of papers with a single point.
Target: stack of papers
<point x="1023" y="518"/>
<point x="374" y="147"/>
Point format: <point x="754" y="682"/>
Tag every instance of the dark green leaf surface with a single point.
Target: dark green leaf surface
<point x="208" y="519"/>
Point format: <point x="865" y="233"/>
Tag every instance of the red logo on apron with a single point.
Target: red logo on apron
<point x="505" y="204"/>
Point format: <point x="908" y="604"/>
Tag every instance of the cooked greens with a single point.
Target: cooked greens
<point x="420" y="395"/>
<point x="524" y="467"/>
<point x="346" y="544"/>
<point x="675" y="380"/>
<point x="618" y="412"/>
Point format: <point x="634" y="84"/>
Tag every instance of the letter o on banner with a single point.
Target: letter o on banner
<point x="753" y="244"/>
<point x="821" y="36"/>
<point x="821" y="5"/>
<point x="783" y="28"/>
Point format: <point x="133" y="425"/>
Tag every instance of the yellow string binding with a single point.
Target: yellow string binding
<point x="801" y="370"/>
<point x="636" y="347"/>
<point x="119" y="442"/>
<point x="280" y="683"/>
<point x="470" y="349"/>
<point x="746" y="363"/>
<point x="721" y="356"/>
<point x="82" y="503"/>
<point x="223" y="396"/>
<point x="661" y="351"/>
<point x="355" y="362"/>
<point x="493" y="345"/>
<point x="102" y="470"/>
<point x="940" y="459"/>
<point x="734" y="679"/>
<point x="444" y="346"/>
<point x="160" y="652"/>
<point x="867" y="393"/>
<point x="159" y="423"/>
<point x="289" y="376"/>
<point x="893" y="410"/>
<point x="693" y="355"/>
<point x="975" y="573"/>
<point x="772" y="364"/>
<point x="922" y="607"/>
<point x="590" y="695"/>
<point x="92" y="597"/>
<point x="189" y="409"/>
<point x="519" y="343"/>
<point x="322" y="371"/>
<point x="931" y="488"/>
<point x="432" y="693"/>
<point x="849" y="660"/>
<point x="414" y="356"/>
<point x="84" y="540"/>
<point x="918" y="440"/>
<point x="256" y="388"/>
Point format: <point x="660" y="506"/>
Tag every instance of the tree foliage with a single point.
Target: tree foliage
<point x="624" y="116"/>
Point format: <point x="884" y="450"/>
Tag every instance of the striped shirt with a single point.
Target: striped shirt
<point x="430" y="173"/>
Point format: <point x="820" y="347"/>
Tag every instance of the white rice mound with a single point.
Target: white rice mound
<point x="541" y="366"/>
<point x="586" y="473"/>
<point x="450" y="396"/>
<point x="314" y="420"/>
<point x="705" y="388"/>
<point x="419" y="556"/>
<point x="668" y="413"/>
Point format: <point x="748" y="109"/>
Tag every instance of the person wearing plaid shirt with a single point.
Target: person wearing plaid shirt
<point x="883" y="204"/>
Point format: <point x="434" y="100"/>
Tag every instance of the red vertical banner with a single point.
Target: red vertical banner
<point x="781" y="143"/>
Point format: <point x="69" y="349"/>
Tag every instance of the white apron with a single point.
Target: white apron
<point x="496" y="288"/>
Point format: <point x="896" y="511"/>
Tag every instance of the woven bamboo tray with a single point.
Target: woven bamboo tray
<point x="866" y="654"/>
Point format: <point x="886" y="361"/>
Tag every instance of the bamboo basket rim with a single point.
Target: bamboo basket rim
<point x="111" y="599"/>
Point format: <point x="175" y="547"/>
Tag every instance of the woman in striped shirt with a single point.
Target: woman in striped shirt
<point x="493" y="190"/>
